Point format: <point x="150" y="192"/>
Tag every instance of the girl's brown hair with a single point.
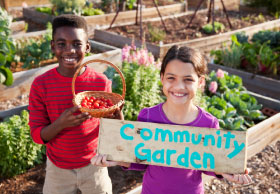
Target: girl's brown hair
<point x="186" y="55"/>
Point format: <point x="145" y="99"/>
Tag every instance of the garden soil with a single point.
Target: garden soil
<point x="177" y="30"/>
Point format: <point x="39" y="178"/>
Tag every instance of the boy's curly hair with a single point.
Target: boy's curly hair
<point x="70" y="21"/>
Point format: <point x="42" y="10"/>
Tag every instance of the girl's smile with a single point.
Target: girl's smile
<point x="180" y="82"/>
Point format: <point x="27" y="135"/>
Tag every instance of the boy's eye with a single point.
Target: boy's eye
<point x="170" y="78"/>
<point x="78" y="44"/>
<point x="189" y="80"/>
<point x="61" y="44"/>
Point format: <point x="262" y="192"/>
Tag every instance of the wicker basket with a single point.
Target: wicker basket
<point x="117" y="99"/>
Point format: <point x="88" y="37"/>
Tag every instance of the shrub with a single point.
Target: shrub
<point x="18" y="152"/>
<point x="142" y="80"/>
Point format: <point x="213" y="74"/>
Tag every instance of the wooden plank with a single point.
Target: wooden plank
<point x="129" y="16"/>
<point x="36" y="17"/>
<point x="17" y="27"/>
<point x="120" y="41"/>
<point x="160" y="144"/>
<point x="267" y="101"/>
<point x="11" y="112"/>
<point x="259" y="84"/>
<point x="18" y="3"/>
<point x="24" y="79"/>
<point x="264" y="133"/>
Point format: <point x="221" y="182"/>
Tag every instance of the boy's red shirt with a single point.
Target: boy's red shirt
<point x="50" y="95"/>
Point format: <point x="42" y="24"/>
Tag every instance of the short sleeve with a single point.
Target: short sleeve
<point x="143" y="115"/>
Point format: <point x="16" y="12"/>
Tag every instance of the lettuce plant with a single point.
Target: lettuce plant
<point x="230" y="102"/>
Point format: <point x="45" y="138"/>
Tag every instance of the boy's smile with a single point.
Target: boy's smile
<point x="69" y="45"/>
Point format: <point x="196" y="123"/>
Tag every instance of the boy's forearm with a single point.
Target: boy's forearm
<point x="50" y="131"/>
<point x="124" y="164"/>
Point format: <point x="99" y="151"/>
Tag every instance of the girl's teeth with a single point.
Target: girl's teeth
<point x="176" y="94"/>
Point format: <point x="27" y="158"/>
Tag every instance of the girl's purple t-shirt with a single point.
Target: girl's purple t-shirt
<point x="169" y="180"/>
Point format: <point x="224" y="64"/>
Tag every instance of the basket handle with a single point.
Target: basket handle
<point x="98" y="61"/>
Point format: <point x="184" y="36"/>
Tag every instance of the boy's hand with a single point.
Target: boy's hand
<point x="68" y="119"/>
<point x="101" y="160"/>
<point x="238" y="178"/>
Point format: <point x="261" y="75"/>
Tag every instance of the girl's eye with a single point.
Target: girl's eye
<point x="189" y="80"/>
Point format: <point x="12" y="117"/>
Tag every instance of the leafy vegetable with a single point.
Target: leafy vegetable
<point x="18" y="152"/>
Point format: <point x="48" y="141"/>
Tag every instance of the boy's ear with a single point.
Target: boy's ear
<point x="88" y="47"/>
<point x="52" y="45"/>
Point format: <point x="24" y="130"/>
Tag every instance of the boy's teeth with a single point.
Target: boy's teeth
<point x="69" y="59"/>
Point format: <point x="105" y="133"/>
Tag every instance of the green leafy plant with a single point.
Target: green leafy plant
<point x="7" y="48"/>
<point x="68" y="6"/>
<point x="89" y="11"/>
<point x="272" y="5"/>
<point x="18" y="152"/>
<point x="47" y="10"/>
<point x="267" y="36"/>
<point x="141" y="75"/>
<point x="229" y="101"/>
<point x="33" y="51"/>
<point x="130" y="4"/>
<point x="257" y="57"/>
<point x="156" y="34"/>
<point x="218" y="27"/>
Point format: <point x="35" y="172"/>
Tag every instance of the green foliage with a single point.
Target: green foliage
<point x="231" y="103"/>
<point x="130" y="4"/>
<point x="47" y="10"/>
<point x="270" y="37"/>
<point x="89" y="11"/>
<point x="272" y="5"/>
<point x="241" y="37"/>
<point x="218" y="27"/>
<point x="259" y="56"/>
<point x="33" y="51"/>
<point x="68" y="6"/>
<point x="142" y="87"/>
<point x="18" y="152"/>
<point x="230" y="57"/>
<point x="7" y="47"/>
<point x="156" y="34"/>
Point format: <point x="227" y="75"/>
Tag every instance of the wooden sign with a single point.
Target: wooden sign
<point x="173" y="145"/>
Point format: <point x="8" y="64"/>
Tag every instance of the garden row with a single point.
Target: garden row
<point x="225" y="97"/>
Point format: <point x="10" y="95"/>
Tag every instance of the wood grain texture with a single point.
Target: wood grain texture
<point x="119" y="149"/>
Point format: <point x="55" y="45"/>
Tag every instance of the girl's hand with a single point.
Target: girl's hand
<point x="101" y="160"/>
<point x="238" y="178"/>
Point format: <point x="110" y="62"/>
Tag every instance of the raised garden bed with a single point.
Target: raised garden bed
<point x="120" y="36"/>
<point x="104" y="20"/>
<point x="18" y="27"/>
<point x="11" y="4"/>
<point x="258" y="84"/>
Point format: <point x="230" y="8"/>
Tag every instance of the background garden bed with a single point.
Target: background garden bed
<point x="258" y="84"/>
<point x="123" y="35"/>
<point x="103" y="21"/>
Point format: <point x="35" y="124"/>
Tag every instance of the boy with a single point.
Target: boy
<point x="69" y="135"/>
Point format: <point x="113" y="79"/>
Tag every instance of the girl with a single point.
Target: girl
<point x="182" y="74"/>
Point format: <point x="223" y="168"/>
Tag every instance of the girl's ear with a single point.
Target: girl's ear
<point x="201" y="82"/>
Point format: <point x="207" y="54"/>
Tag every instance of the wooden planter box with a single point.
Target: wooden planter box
<point x="205" y="44"/>
<point x="105" y="20"/>
<point x="18" y="27"/>
<point x="8" y="4"/>
<point x="258" y="84"/>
